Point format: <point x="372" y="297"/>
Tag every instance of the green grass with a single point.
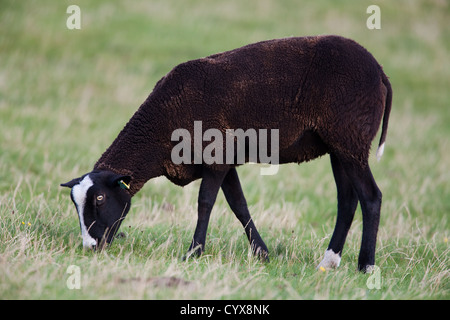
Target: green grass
<point x="65" y="94"/>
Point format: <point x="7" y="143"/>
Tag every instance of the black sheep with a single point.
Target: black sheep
<point x="324" y="94"/>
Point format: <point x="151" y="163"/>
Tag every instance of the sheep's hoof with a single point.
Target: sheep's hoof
<point x="193" y="252"/>
<point x="330" y="261"/>
<point x="369" y="268"/>
<point x="264" y="256"/>
<point x="262" y="253"/>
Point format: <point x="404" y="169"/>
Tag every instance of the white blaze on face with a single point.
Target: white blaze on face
<point x="79" y="193"/>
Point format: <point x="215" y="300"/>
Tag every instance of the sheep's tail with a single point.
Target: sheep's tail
<point x="387" y="111"/>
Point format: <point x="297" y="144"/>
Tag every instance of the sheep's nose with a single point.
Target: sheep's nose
<point x="92" y="244"/>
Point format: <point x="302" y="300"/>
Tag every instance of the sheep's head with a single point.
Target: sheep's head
<point x="102" y="200"/>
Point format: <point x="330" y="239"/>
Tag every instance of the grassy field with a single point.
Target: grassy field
<point x="65" y="94"/>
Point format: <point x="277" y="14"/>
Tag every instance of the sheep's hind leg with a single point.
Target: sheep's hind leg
<point x="370" y="198"/>
<point x="347" y="202"/>
<point x="209" y="187"/>
<point x="232" y="190"/>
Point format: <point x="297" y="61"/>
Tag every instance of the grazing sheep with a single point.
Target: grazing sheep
<point x="325" y="94"/>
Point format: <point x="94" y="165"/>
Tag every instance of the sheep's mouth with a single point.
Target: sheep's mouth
<point x="108" y="236"/>
<point x="99" y="246"/>
<point x="102" y="244"/>
<point x="106" y="239"/>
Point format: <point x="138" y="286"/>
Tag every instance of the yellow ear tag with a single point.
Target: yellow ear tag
<point x="123" y="185"/>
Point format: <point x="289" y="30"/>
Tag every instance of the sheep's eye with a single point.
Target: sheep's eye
<point x="100" y="198"/>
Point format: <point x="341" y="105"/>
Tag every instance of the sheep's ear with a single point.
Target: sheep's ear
<point x="71" y="183"/>
<point x="122" y="181"/>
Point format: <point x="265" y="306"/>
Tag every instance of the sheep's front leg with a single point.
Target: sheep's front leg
<point x="235" y="197"/>
<point x="211" y="182"/>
